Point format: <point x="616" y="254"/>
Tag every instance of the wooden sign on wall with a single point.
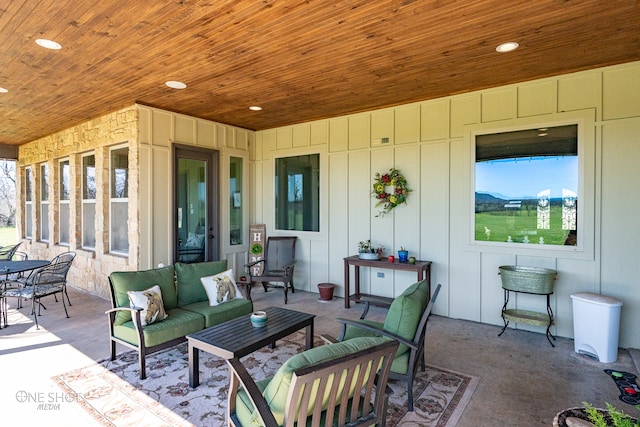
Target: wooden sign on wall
<point x="257" y="238"/>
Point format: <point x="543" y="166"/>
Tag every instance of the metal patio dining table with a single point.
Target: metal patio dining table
<point x="8" y="267"/>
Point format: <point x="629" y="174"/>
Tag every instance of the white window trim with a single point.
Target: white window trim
<point x="585" y="249"/>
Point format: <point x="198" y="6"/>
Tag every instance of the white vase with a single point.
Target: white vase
<point x="368" y="255"/>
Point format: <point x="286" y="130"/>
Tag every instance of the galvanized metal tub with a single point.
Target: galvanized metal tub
<point x="533" y="280"/>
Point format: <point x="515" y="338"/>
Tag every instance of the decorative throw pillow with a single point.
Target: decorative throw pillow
<point x="150" y="301"/>
<point x="221" y="287"/>
<point x="195" y="240"/>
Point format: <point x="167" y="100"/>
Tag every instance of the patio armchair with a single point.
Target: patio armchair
<point x="14" y="280"/>
<point x="343" y="384"/>
<point x="277" y="265"/>
<point x="406" y="322"/>
<point x="45" y="281"/>
<point x="7" y="252"/>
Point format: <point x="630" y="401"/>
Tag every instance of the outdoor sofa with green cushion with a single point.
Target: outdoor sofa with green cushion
<point x="185" y="302"/>
<point x="281" y="399"/>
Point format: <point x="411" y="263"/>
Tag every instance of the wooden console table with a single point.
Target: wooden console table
<point x="422" y="268"/>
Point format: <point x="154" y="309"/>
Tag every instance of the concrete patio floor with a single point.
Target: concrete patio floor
<point x="523" y="380"/>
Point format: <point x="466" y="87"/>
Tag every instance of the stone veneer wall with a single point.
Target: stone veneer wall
<point x="91" y="267"/>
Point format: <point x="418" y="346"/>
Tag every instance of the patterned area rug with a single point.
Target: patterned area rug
<point x="114" y="395"/>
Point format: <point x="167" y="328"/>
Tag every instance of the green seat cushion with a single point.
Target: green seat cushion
<point x="222" y="312"/>
<point x="188" y="276"/>
<point x="178" y="324"/>
<point x="276" y="391"/>
<point x="405" y="312"/>
<point x="244" y="405"/>
<point x="355" y="332"/>
<point x="124" y="281"/>
<point x="244" y="401"/>
<point x="400" y="364"/>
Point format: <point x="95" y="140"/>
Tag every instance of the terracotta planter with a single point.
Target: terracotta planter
<point x="326" y="291"/>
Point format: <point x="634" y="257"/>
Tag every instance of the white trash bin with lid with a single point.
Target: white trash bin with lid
<point x="596" y="325"/>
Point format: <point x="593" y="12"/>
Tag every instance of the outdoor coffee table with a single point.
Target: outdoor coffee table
<point x="237" y="337"/>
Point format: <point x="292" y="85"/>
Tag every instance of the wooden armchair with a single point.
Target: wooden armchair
<point x="278" y="263"/>
<point x="331" y="385"/>
<point x="406" y="322"/>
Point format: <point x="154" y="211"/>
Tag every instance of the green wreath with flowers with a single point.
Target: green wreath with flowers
<point x="398" y="194"/>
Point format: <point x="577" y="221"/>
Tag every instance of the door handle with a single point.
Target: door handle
<point x="210" y="236"/>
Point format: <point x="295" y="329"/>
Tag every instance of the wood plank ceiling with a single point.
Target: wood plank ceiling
<point x="299" y="60"/>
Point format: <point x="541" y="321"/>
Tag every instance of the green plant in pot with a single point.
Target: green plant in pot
<point x="367" y="250"/>
<point x="609" y="417"/>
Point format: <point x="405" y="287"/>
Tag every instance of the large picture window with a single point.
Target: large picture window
<point x="119" y="200"/>
<point x="297" y="193"/>
<point x="526" y="186"/>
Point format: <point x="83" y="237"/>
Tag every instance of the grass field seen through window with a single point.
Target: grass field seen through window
<point x="518" y="225"/>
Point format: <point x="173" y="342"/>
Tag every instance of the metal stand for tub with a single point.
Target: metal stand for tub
<point x="528" y="280"/>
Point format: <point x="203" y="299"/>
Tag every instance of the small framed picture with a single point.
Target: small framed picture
<point x="237" y="200"/>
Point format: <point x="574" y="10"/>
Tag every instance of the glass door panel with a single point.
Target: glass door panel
<point x="195" y="217"/>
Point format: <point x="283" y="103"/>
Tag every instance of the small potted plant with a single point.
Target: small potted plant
<point x="366" y="250"/>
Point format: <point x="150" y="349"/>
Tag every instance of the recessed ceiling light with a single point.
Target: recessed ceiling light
<point x="255" y="108"/>
<point x="48" y="44"/>
<point x="3" y="90"/>
<point x="507" y="47"/>
<point x="175" y="84"/>
<point x="543" y="134"/>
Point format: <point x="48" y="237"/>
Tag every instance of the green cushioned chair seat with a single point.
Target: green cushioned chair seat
<point x="262" y="384"/>
<point x="124" y="281"/>
<point x="222" y="312"/>
<point x="190" y="289"/>
<point x="277" y="389"/>
<point x="178" y="324"/>
<point x="402" y="318"/>
<point x="400" y="364"/>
